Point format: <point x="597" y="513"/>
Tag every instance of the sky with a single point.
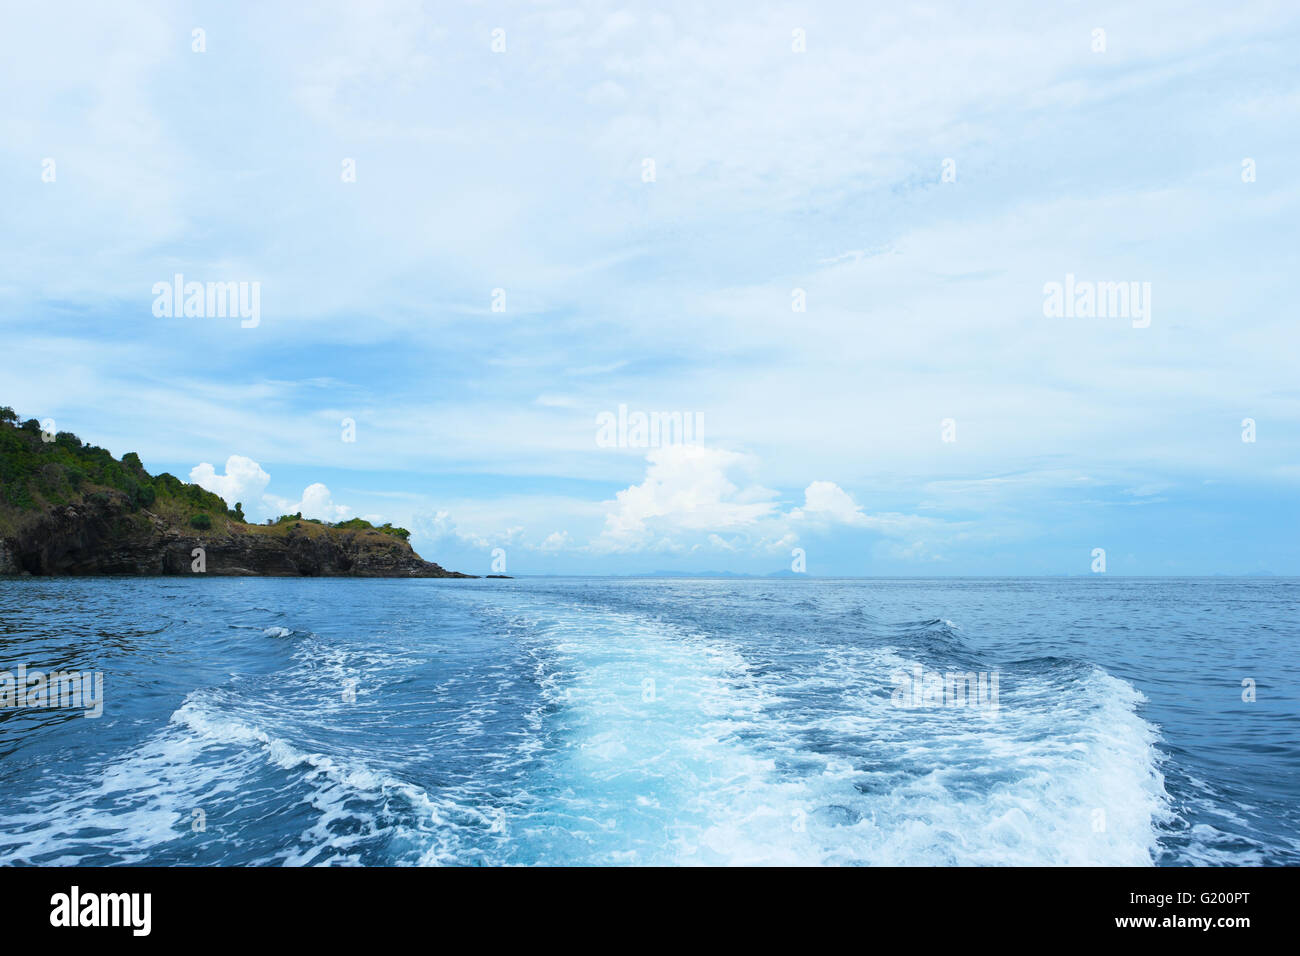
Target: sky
<point x="825" y="234"/>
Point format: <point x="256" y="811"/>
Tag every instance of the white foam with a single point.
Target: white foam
<point x="714" y="762"/>
<point x="718" y="769"/>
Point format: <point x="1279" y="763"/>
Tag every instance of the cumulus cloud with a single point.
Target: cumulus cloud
<point x="243" y="481"/>
<point x="246" y="481"/>
<point x="693" y="499"/>
<point x="555" y="541"/>
<point x="686" y="488"/>
<point x="435" y="527"/>
<point x="826" y="503"/>
<point x="826" y="500"/>
<point x="441" y="527"/>
<point x="316" y="502"/>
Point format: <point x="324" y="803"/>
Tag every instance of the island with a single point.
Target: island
<point x="68" y="508"/>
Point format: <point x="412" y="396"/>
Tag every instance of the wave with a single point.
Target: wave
<point x="724" y="760"/>
<point x="206" y="781"/>
<point x="593" y="734"/>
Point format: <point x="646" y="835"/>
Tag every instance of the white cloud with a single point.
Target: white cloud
<point x="686" y="488"/>
<point x="827" y="500"/>
<point x="555" y="541"/>
<point x="434" y="527"/>
<point x="722" y="544"/>
<point x="316" y="502"/>
<point x="440" y="527"/>
<point x="690" y="502"/>
<point x="244" y="480"/>
<point x="826" y="504"/>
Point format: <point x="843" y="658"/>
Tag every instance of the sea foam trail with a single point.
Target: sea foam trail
<point x="231" y="758"/>
<point x="572" y="733"/>
<point x="1064" y="772"/>
<point x="644" y="765"/>
<point x="670" y="747"/>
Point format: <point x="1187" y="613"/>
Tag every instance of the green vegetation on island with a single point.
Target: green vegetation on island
<point x="39" y="471"/>
<point x="67" y="507"/>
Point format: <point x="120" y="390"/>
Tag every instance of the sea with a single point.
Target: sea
<point x="651" y="721"/>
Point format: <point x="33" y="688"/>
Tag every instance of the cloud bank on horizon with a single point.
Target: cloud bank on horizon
<point x="953" y="290"/>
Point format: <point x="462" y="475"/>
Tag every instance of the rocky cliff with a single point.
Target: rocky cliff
<point x="66" y="508"/>
<point x="103" y="536"/>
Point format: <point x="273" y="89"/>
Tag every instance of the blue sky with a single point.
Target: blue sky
<point x="775" y="170"/>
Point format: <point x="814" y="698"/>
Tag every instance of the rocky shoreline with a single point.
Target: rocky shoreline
<point x="70" y="508"/>
<point x="104" y="536"/>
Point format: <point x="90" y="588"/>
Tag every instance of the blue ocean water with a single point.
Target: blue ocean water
<point x="654" y="721"/>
